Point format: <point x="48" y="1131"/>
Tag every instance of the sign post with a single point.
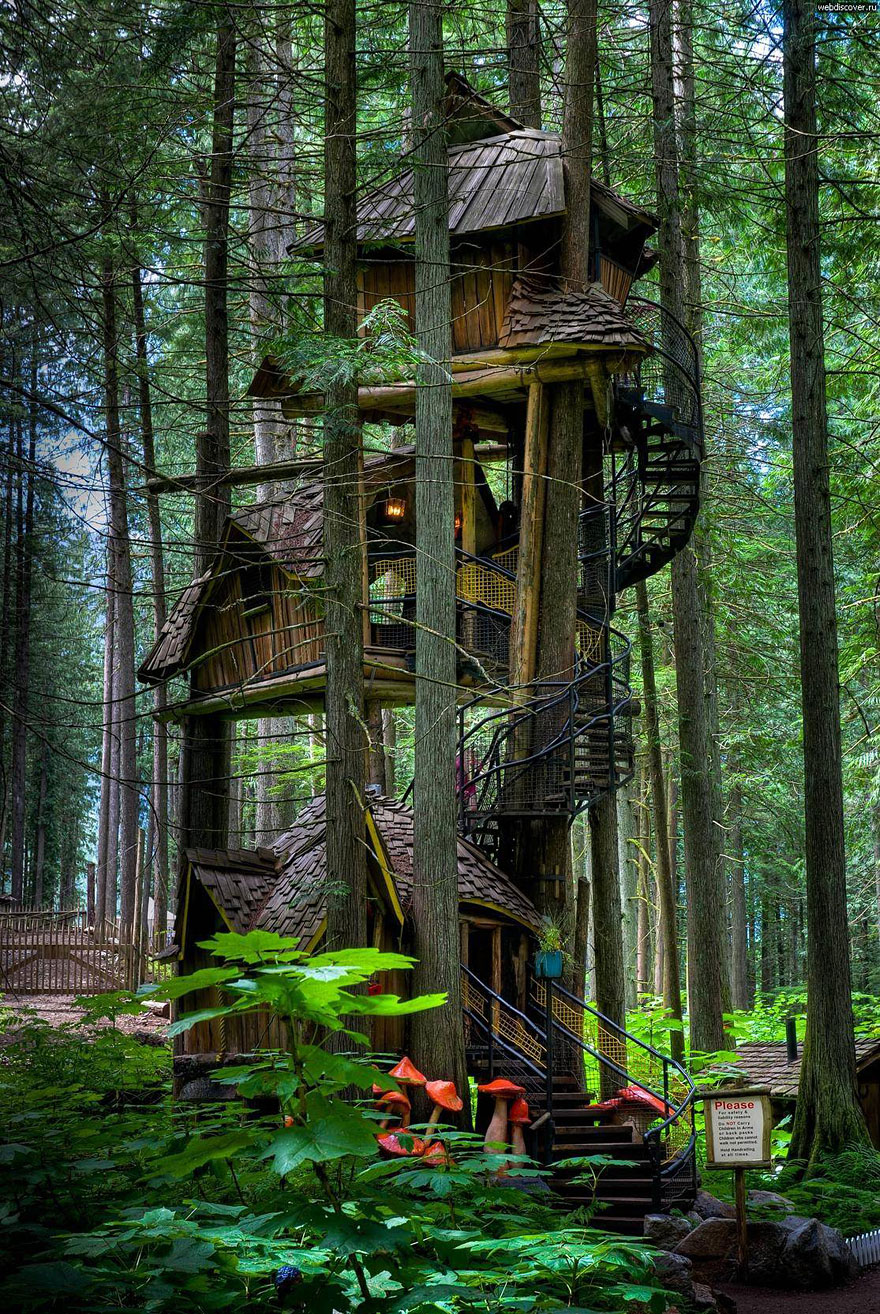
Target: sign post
<point x="738" y="1124"/>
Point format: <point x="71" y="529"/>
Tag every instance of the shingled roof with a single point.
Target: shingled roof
<point x="289" y="528"/>
<point x="495" y="182"/>
<point x="766" y="1064"/>
<point x="541" y="311"/>
<point x="284" y="889"/>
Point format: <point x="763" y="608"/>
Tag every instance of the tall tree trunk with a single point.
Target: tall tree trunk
<point x="666" y="892"/>
<point x="607" y="919"/>
<point x="524" y="61"/>
<point x="203" y="816"/>
<point x="629" y="885"/>
<point x="40" y="835"/>
<point x="438" y="1038"/>
<point x="120" y="550"/>
<point x="828" y="1116"/>
<point x="109" y="785"/>
<point x="343" y="547"/>
<point x="6" y="613"/>
<point x="158" y="849"/>
<point x="24" y="575"/>
<point x="706" y="952"/>
<point x="739" y="952"/>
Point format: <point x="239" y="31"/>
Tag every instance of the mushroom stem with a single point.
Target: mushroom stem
<point x="496" y="1132"/>
<point x="436" y="1113"/>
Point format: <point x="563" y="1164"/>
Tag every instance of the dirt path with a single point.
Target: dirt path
<point x="862" y="1297"/>
<point x="59" y="1010"/>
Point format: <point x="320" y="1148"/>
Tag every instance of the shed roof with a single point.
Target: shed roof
<point x="766" y="1064"/>
<point x="284" y="889"/>
<point x="496" y="182"/>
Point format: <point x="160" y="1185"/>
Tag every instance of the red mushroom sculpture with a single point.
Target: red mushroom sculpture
<point x="444" y="1097"/>
<point x="405" y="1073"/>
<point x="391" y="1143"/>
<point x="396" y="1103"/>
<point x="518" y="1117"/>
<point x="504" y="1092"/>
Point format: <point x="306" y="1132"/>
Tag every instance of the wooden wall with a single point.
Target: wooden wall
<point x="482" y="278"/>
<point x="248" y="644"/>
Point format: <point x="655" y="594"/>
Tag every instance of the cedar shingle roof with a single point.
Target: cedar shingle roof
<point x="285" y="890"/>
<point x="239" y="880"/>
<point x="495" y="182"/>
<point x="766" y="1064"/>
<point x="541" y="311"/>
<point x="289" y="528"/>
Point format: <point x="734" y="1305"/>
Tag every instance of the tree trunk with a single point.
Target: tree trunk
<point x="438" y="1037"/>
<point x="40" y="835"/>
<point x="706" y="954"/>
<point x="739" y="952"/>
<point x="666" y="892"/>
<point x="203" y="815"/>
<point x="629" y="887"/>
<point x="828" y="1116"/>
<point x="24" y="575"/>
<point x="607" y="919"/>
<point x="158" y="853"/>
<point x="108" y="736"/>
<point x="120" y="549"/>
<point x="524" y="61"/>
<point x="343" y="481"/>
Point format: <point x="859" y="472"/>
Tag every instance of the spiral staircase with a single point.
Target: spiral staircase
<point x="567" y="742"/>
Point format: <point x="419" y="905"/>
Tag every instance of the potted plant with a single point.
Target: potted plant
<point x="548" y="959"/>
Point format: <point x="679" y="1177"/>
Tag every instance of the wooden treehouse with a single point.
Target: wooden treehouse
<point x="248" y="639"/>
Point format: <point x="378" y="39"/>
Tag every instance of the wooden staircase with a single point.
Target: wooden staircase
<point x="642" y="1173"/>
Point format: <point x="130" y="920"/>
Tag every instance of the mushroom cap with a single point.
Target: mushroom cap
<point x="436" y="1152"/>
<point x="392" y="1144"/>
<point x="502" y="1089"/>
<point x="444" y="1094"/>
<point x="393" y="1098"/>
<point x="407" y="1072"/>
<point x="519" y="1113"/>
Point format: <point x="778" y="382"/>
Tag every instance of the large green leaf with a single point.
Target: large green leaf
<point x="333" y="1130"/>
<point x="178" y="986"/>
<point x="204" y="1149"/>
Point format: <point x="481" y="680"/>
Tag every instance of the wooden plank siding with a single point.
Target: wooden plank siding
<point x="242" y="647"/>
<point x="481" y="282"/>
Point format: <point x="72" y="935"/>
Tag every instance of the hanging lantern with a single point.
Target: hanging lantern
<point x="395" y="509"/>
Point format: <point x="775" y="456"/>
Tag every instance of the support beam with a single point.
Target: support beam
<point x="524" y="627"/>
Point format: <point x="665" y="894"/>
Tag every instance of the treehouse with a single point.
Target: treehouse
<point x="282" y="889"/>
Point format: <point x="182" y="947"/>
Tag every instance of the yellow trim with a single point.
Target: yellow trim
<point x="385" y="866"/>
<point x="505" y="912"/>
<point x="319" y="935"/>
<point x="185" y="917"/>
<point x="220" y="910"/>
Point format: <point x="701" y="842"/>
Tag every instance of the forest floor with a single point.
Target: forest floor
<point x="60" y="1010"/>
<point x="860" y="1297"/>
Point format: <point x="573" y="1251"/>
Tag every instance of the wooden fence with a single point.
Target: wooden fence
<point x="49" y="953"/>
<point x="865" y="1248"/>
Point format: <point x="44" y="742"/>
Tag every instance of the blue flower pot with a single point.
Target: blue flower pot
<point x="548" y="964"/>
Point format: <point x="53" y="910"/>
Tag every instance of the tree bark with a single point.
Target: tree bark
<point x="524" y="61"/>
<point x="107" y="848"/>
<point x="828" y="1116"/>
<point x="120" y="551"/>
<point x="629" y="891"/>
<point x="40" y="835"/>
<point x="438" y="1037"/>
<point x="21" y="677"/>
<point x="739" y="950"/>
<point x="607" y="923"/>
<point x="158" y="853"/>
<point x="666" y="892"/>
<point x="701" y="837"/>
<point x="343" y="547"/>
<point x="203" y="813"/>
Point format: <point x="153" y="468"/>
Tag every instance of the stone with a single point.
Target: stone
<point x="707" y="1206"/>
<point x="666" y="1231"/>
<point x="815" y="1256"/>
<point x="674" y="1272"/>
<point x="704" y="1298"/>
<point x="715" y="1238"/>
<point x="768" y="1200"/>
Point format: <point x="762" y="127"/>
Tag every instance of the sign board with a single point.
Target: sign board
<point x="738" y="1123"/>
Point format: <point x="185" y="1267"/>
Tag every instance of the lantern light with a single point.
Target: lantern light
<point x="395" y="508"/>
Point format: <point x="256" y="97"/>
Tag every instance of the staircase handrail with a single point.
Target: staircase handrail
<point x="693" y="372"/>
<point x="497" y="1036"/>
<point x="653" y="1134"/>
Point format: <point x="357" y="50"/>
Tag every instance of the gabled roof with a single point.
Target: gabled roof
<point x="541" y="310"/>
<point x="766" y="1064"/>
<point x="284" y="890"/>
<point x="289" y="529"/>
<point x="496" y="182"/>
